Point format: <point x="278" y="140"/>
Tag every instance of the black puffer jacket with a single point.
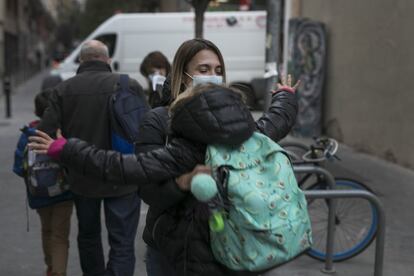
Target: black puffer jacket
<point x="181" y="232"/>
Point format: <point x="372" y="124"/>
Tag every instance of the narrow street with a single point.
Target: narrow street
<point x="20" y="250"/>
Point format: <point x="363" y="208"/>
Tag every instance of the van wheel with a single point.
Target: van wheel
<point x="247" y="93"/>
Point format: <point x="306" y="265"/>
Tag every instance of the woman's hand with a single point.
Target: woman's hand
<point x="286" y="84"/>
<point x="41" y="143"/>
<point x="184" y="181"/>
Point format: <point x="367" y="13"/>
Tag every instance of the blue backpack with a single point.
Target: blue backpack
<point x="260" y="218"/>
<point x="127" y="110"/>
<point x="44" y="177"/>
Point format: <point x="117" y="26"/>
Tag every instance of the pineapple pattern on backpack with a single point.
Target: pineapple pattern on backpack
<point x="266" y="222"/>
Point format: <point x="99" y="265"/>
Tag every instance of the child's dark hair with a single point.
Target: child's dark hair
<point x="41" y="102"/>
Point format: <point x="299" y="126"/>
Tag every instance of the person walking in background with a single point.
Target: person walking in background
<point x="79" y="107"/>
<point x="54" y="212"/>
<point x="155" y="67"/>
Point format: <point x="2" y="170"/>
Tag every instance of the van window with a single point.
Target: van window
<point x="109" y="40"/>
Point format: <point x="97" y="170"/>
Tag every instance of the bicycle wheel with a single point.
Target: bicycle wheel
<point x="355" y="221"/>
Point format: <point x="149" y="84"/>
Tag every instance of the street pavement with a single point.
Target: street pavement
<point x="20" y="249"/>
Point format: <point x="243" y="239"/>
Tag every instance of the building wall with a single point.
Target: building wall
<point x="23" y="34"/>
<point x="52" y="7"/>
<point x="369" y="92"/>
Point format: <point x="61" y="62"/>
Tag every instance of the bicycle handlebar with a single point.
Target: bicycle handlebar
<point x="323" y="148"/>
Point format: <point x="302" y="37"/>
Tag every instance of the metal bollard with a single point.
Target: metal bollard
<point x="7" y="94"/>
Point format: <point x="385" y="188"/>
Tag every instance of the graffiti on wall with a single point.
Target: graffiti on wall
<point x="306" y="61"/>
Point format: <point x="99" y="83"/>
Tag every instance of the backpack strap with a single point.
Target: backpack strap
<point x="221" y="175"/>
<point x="124" y="82"/>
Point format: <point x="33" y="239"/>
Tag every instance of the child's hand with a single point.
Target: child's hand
<point x="286" y="85"/>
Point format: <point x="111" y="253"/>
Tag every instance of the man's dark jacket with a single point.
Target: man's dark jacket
<point x="177" y="224"/>
<point x="80" y="107"/>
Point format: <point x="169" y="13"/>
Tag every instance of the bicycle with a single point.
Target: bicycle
<point x="356" y="220"/>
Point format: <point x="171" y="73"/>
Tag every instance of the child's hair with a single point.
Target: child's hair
<point x="191" y="91"/>
<point x="41" y="102"/>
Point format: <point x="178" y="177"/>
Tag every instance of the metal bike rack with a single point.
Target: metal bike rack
<point x="380" y="239"/>
<point x="335" y="194"/>
<point x="329" y="268"/>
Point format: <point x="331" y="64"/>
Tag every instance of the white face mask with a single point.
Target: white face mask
<point x="156" y="80"/>
<point x="198" y="79"/>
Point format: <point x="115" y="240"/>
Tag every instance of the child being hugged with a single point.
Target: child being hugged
<point x="259" y="218"/>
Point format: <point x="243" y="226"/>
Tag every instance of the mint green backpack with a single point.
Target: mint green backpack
<point x="263" y="219"/>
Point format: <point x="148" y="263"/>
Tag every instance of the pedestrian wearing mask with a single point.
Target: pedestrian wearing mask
<point x="155" y="67"/>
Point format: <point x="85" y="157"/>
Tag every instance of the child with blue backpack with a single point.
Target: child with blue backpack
<point x="54" y="208"/>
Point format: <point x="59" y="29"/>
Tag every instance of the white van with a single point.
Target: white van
<point x="130" y="37"/>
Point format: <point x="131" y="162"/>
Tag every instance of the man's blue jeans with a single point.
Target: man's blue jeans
<point x="121" y="218"/>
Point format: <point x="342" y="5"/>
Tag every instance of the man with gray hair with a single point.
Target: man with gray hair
<point x="80" y="108"/>
<point x="94" y="50"/>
